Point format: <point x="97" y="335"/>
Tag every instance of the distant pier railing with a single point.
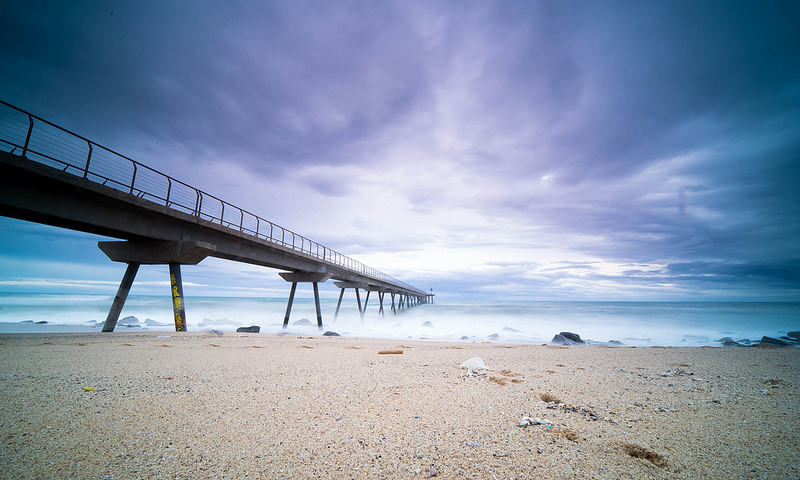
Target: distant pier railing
<point x="39" y="140"/>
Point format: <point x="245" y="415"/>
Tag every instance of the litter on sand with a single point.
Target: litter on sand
<point x="533" y="421"/>
<point x="475" y="366"/>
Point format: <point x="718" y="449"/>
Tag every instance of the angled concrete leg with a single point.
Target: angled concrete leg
<point x="308" y="277"/>
<point x="289" y="305"/>
<point x="366" y="301"/>
<point x="394" y="310"/>
<point x="338" y="304"/>
<point x="119" y="299"/>
<point x="316" y="304"/>
<point x="178" y="306"/>
<point x="380" y="300"/>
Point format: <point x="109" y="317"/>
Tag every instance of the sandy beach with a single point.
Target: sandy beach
<point x="199" y="405"/>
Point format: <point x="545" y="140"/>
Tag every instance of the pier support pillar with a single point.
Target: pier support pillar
<point x="355" y="286"/>
<point x="122" y="295"/>
<point x="306" y="277"/>
<point x="154" y="252"/>
<point x="366" y="301"/>
<point x="176" y="287"/>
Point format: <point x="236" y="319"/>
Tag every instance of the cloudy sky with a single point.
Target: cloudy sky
<point x="573" y="150"/>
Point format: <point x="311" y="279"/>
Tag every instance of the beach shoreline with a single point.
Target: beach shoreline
<point x="202" y="405"/>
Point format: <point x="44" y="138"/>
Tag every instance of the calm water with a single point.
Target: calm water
<point x="633" y="323"/>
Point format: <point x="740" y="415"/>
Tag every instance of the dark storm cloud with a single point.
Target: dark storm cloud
<point x="276" y="82"/>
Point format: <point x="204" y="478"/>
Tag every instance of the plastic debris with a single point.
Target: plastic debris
<point x="473" y="444"/>
<point x="673" y="373"/>
<point x="533" y="421"/>
<point x="475" y="366"/>
<point x="90" y="389"/>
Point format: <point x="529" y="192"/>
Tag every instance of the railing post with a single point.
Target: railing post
<point x="198" y="204"/>
<point x="28" y="136"/>
<point x="133" y="178"/>
<point x="88" y="159"/>
<point x="169" y="190"/>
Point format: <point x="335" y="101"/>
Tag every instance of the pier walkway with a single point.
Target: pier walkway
<point x="53" y="176"/>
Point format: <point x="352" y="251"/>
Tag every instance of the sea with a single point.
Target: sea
<point x="532" y="322"/>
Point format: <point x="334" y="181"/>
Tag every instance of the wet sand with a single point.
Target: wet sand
<point x="197" y="405"/>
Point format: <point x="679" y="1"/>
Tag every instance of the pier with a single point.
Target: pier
<point x="53" y="176"/>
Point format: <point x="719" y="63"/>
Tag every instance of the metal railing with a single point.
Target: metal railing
<point x="44" y="142"/>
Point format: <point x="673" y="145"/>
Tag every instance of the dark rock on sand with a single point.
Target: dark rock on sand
<point x="331" y="334"/>
<point x="250" y="329"/>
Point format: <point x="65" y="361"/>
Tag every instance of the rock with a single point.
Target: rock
<point x="795" y="335"/>
<point x="250" y="329"/>
<point x="464" y="337"/>
<point x="207" y="322"/>
<point x="152" y="323"/>
<point x="731" y="343"/>
<point x="560" y="339"/>
<point x="331" y="334"/>
<point x="493" y="336"/>
<point x="128" y="321"/>
<point x="615" y="343"/>
<point x="572" y="336"/>
<point x="773" y="341"/>
<point x="513" y="330"/>
<point x="303" y="322"/>
<point x="695" y="339"/>
<point x="427" y="324"/>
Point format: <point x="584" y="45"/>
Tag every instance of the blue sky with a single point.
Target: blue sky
<point x="571" y="150"/>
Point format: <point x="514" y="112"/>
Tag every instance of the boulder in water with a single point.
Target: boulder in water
<point x="129" y="321"/>
<point x="427" y="324"/>
<point x="331" y="334"/>
<point x="303" y="322"/>
<point x="567" y="338"/>
<point x="773" y="341"/>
